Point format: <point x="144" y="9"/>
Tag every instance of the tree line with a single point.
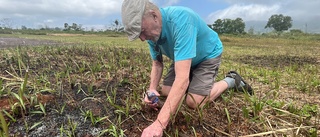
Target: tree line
<point x="278" y="22"/>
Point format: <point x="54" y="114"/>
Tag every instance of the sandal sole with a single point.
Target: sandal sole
<point x="247" y="87"/>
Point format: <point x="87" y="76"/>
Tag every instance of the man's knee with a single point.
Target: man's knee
<point x="191" y="104"/>
<point x="165" y="90"/>
<point x="194" y="101"/>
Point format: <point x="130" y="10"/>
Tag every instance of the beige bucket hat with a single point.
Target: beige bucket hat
<point x="132" y="12"/>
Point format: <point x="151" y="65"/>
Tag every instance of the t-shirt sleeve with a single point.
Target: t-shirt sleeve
<point x="185" y="42"/>
<point x="153" y="53"/>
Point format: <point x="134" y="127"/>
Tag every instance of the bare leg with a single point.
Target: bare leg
<point x="217" y="89"/>
<point x="193" y="100"/>
<point x="165" y="90"/>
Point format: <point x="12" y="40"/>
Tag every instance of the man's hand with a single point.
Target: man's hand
<point x="149" y="102"/>
<point x="154" y="130"/>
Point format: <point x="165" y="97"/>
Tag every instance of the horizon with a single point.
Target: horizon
<point x="100" y="14"/>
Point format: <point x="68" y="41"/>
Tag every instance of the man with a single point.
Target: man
<point x="195" y="49"/>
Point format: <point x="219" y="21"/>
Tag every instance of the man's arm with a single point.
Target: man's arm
<point x="178" y="89"/>
<point x="155" y="76"/>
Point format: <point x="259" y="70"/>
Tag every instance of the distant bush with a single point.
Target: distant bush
<point x="109" y="33"/>
<point x="296" y="31"/>
<point x="5" y="31"/>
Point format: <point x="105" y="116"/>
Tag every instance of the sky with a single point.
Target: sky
<point x="100" y="14"/>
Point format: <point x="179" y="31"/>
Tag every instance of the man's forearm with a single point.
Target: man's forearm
<point x="170" y="106"/>
<point x="177" y="91"/>
<point x="156" y="73"/>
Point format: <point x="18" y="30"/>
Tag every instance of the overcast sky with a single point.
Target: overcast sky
<point x="101" y="13"/>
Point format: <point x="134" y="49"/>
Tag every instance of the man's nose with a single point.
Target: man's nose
<point x="142" y="38"/>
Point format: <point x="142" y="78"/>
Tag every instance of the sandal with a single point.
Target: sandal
<point x="238" y="79"/>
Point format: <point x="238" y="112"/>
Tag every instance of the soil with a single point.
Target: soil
<point x="65" y="112"/>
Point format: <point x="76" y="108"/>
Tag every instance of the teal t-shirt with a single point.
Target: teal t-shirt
<point x="185" y="36"/>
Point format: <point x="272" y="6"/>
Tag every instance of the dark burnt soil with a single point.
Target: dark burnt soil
<point x="78" y="108"/>
<point x="60" y="123"/>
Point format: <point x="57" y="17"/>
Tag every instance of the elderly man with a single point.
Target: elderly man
<point x="195" y="50"/>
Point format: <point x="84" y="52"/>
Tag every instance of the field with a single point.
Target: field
<point x="92" y="85"/>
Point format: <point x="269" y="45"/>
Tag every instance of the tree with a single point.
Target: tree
<point x="7" y="23"/>
<point x="116" y="25"/>
<point x="73" y="27"/>
<point x="238" y="26"/>
<point x="229" y="26"/>
<point x="24" y="27"/>
<point x="279" y="22"/>
<point x="218" y="26"/>
<point x="66" y="27"/>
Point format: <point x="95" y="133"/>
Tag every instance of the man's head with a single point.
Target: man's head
<point x="141" y="19"/>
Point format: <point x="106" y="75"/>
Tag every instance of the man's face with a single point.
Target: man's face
<point x="150" y="28"/>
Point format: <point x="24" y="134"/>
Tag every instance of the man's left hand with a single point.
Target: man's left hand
<point x="149" y="103"/>
<point x="154" y="130"/>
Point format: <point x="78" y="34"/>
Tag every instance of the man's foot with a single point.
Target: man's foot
<point x="241" y="85"/>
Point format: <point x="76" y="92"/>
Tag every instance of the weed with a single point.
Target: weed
<point x="87" y="114"/>
<point x="61" y="110"/>
<point x="10" y="116"/>
<point x="2" y="87"/>
<point x="313" y="132"/>
<point x="4" y="126"/>
<point x="113" y="131"/>
<point x="21" y="101"/>
<point x="245" y="112"/>
<point x="42" y="109"/>
<point x="94" y="119"/>
<point x="194" y="131"/>
<point x="72" y="127"/>
<point x="229" y="119"/>
<point x="35" y="125"/>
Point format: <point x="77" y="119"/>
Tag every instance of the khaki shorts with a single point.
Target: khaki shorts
<point x="201" y="77"/>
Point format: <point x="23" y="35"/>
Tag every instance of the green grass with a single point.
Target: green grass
<point x="283" y="71"/>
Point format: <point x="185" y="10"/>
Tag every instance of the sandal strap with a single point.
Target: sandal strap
<point x="238" y="79"/>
